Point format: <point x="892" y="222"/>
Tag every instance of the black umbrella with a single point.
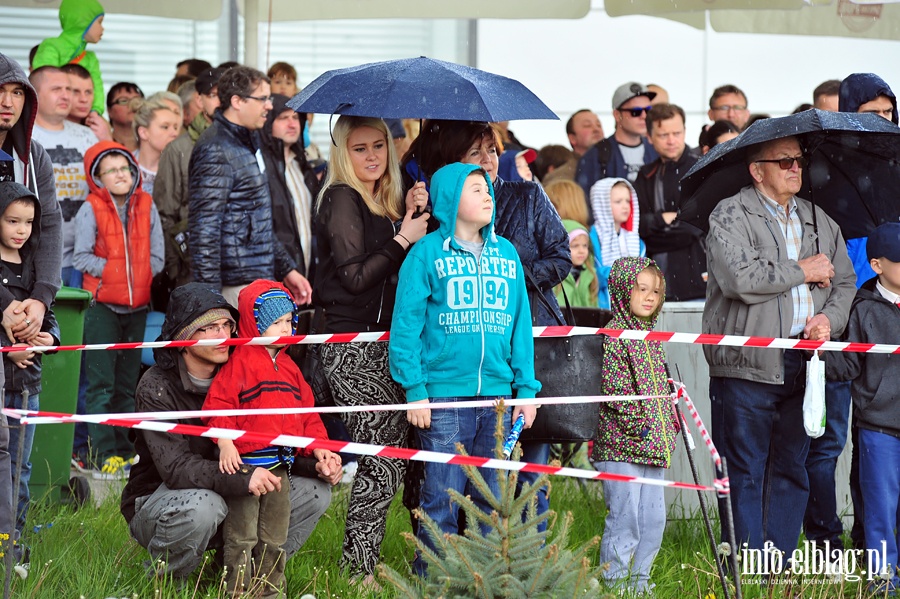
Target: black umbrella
<point x="853" y="172"/>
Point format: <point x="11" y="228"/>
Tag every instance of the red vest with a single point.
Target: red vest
<point x="126" y="277"/>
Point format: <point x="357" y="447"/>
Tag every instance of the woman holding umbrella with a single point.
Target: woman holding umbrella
<point x="524" y="216"/>
<point x="363" y="231"/>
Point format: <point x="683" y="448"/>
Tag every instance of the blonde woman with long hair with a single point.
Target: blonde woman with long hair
<point x="364" y="229"/>
<point x="156" y="124"/>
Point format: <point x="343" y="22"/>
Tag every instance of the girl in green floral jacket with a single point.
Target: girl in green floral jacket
<point x="635" y="438"/>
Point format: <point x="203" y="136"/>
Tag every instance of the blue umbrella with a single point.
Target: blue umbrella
<point x="853" y="172"/>
<point x="420" y="88"/>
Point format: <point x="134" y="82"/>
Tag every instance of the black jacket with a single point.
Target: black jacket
<point x="358" y="263"/>
<point x="526" y="217"/>
<point x="24" y="379"/>
<point x="181" y="461"/>
<point x="284" y="216"/>
<point x="678" y="251"/>
<point x="230" y="210"/>
<point x="876" y="377"/>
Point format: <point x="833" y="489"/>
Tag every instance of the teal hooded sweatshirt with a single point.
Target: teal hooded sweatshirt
<point x="461" y="328"/>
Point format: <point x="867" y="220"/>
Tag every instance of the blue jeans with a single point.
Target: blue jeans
<point x="15" y="399"/>
<point x="536" y="453"/>
<point x="821" y="522"/>
<point x="474" y="429"/>
<point x="71" y="277"/>
<point x="879" y="477"/>
<point x="759" y="429"/>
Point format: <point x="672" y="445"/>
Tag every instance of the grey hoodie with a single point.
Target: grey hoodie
<point x="34" y="170"/>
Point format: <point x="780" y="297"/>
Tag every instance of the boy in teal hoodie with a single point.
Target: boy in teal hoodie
<point x="461" y="330"/>
<point x="82" y="24"/>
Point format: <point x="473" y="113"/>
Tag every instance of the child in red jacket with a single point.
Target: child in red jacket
<point x="260" y="376"/>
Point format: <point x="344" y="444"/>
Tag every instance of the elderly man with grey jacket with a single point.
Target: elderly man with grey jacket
<point x="772" y="273"/>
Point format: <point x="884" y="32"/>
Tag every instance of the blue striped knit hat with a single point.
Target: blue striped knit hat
<point x="272" y="305"/>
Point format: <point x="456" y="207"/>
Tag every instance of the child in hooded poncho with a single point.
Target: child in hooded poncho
<point x="635" y="438"/>
<point x="614" y="235"/>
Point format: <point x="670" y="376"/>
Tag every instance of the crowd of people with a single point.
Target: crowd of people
<point x="208" y="202"/>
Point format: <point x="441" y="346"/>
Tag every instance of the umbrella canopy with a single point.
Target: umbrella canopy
<point x="420" y="88"/>
<point x="853" y="172"/>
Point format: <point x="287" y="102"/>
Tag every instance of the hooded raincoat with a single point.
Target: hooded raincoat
<point x="643" y="431"/>
<point x="75" y="18"/>
<point x="461" y="328"/>
<point x="609" y="244"/>
<point x="578" y="288"/>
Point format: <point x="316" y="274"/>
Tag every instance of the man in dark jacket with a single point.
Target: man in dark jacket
<point x="173" y="501"/>
<point x="678" y="252"/>
<point x="624" y="152"/>
<point x="230" y="210"/>
<point x="32" y="168"/>
<point x="293" y="184"/>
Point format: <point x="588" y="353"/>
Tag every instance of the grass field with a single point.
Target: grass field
<point x="88" y="553"/>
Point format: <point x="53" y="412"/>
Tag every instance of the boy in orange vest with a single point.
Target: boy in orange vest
<point x="119" y="248"/>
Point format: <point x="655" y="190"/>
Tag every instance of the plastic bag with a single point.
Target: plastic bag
<point x="814" y="398"/>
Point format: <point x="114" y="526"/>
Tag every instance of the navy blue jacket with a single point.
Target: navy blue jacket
<point x="526" y="218"/>
<point x="230" y="210"/>
<point x="604" y="160"/>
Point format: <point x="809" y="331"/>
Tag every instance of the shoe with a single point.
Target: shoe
<point x="113" y="468"/>
<point x="81" y="463"/>
<point x="23" y="560"/>
<point x="349" y="472"/>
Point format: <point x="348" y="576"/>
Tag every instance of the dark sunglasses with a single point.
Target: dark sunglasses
<point x="786" y="163"/>
<point x="636" y="112"/>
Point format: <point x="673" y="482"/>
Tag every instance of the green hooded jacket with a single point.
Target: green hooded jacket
<point x="578" y="291"/>
<point x="75" y="17"/>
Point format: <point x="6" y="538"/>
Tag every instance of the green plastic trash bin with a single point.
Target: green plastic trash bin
<point x="52" y="452"/>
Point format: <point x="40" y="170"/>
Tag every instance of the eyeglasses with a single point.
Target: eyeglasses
<point x="263" y="99"/>
<point x="122" y="170"/>
<point x="786" y="163"/>
<point x="226" y="327"/>
<point x="636" y="112"/>
<point x="123" y="101"/>
<point x="730" y="108"/>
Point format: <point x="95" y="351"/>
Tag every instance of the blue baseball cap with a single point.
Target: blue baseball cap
<point x="884" y="242"/>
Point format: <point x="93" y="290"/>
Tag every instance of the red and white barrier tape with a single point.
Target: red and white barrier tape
<point x="374" y="450"/>
<point x="664" y="336"/>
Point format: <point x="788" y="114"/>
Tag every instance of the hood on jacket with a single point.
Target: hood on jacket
<point x="77" y="16"/>
<point x="272" y="143"/>
<point x="20" y="134"/>
<point x="622" y="279"/>
<point x="247" y="305"/>
<point x="602" y="209"/>
<point x="96" y="153"/>
<point x="11" y="191"/>
<point x="186" y="304"/>
<point x="446" y="188"/>
<point x="859" y="88"/>
<point x="572" y="226"/>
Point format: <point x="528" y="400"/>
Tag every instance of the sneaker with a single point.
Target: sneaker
<point x="23" y="560"/>
<point x="349" y="472"/>
<point x="80" y="463"/>
<point x="113" y="468"/>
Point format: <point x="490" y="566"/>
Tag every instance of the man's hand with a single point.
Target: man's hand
<point x="668" y="217"/>
<point x="328" y="465"/>
<point x="99" y="126"/>
<point x="30" y="326"/>
<point x="817" y="269"/>
<point x="12" y="318"/>
<point x="419" y="418"/>
<point x="530" y="413"/>
<point x="818" y="328"/>
<point x="299" y="287"/>
<point x="262" y="481"/>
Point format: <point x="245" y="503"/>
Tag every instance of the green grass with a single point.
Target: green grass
<point x="89" y="553"/>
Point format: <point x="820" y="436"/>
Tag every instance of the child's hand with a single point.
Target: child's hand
<point x="420" y="418"/>
<point x="22" y="359"/>
<point x="42" y="338"/>
<point x="229" y="458"/>
<point x="530" y="413"/>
